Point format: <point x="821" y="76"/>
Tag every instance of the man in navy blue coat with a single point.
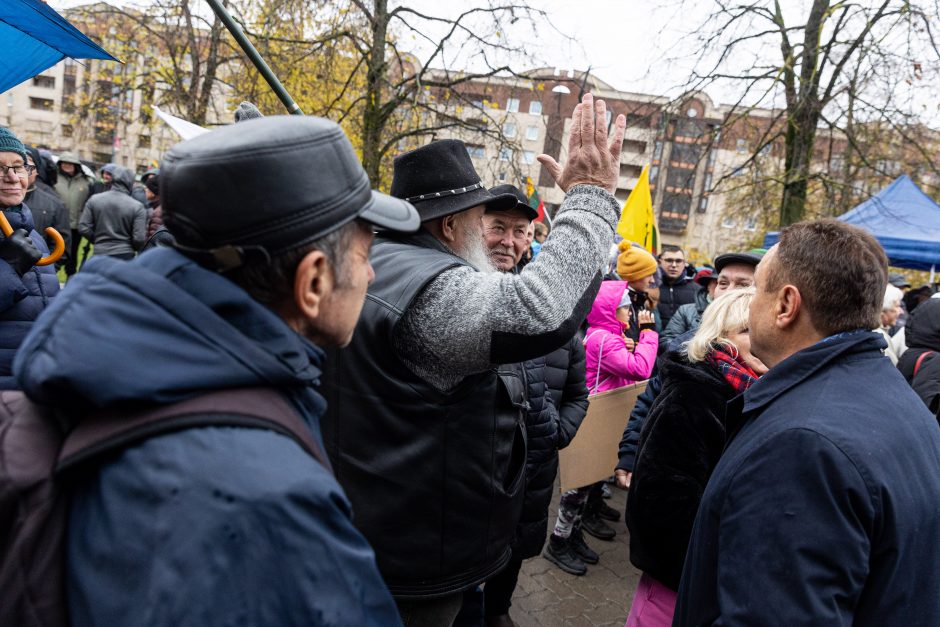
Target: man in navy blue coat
<point x="221" y="525"/>
<point x="825" y="506"/>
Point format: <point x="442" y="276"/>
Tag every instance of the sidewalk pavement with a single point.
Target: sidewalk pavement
<point x="548" y="597"/>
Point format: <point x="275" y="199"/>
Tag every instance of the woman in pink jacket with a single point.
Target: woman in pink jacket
<point x="613" y="360"/>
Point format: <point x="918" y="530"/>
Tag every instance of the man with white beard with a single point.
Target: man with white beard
<point x="424" y="423"/>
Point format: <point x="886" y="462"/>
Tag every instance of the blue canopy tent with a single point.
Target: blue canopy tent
<point x="904" y="219"/>
<point x="33" y="38"/>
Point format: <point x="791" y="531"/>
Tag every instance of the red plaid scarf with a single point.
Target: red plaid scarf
<point x="737" y="373"/>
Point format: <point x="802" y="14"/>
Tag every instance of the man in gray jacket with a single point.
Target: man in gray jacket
<point x="113" y="221"/>
<point x="424" y="424"/>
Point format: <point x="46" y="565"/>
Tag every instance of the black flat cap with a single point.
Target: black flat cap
<point x="439" y="179"/>
<point x="750" y="259"/>
<point x="271" y="184"/>
<point x="522" y="203"/>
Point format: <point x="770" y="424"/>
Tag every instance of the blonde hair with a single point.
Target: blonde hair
<point x="726" y="315"/>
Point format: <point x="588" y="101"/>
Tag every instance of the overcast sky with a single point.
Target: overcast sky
<point x="615" y="38"/>
<point x="635" y="45"/>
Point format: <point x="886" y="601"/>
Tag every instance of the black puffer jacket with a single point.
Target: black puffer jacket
<point x="679" y="448"/>
<point x="673" y="294"/>
<point x="922" y="334"/>
<point x="558" y="401"/>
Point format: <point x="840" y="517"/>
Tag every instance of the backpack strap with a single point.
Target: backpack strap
<point x="920" y="361"/>
<point x="254" y="408"/>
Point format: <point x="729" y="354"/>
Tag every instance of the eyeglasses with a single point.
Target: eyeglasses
<point x="673" y="262"/>
<point x="19" y="170"/>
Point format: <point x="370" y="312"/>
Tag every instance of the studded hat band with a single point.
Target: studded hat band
<point x="446" y="192"/>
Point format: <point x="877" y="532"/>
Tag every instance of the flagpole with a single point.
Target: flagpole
<point x="255" y="57"/>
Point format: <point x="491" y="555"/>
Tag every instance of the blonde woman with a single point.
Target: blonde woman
<point x="680" y="445"/>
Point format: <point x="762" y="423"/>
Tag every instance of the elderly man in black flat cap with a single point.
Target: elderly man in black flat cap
<point x="217" y="521"/>
<point x="425" y="424"/>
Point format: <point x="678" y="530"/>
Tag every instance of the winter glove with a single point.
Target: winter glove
<point x="19" y="251"/>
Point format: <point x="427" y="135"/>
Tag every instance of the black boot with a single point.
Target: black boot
<point x="593" y="524"/>
<point x="581" y="548"/>
<point x="607" y="512"/>
<point x="559" y="553"/>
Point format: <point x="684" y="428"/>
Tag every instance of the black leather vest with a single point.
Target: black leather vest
<point x="436" y="479"/>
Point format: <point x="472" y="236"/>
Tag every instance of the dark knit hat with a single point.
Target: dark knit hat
<point x="247" y="111"/>
<point x="10" y="143"/>
<point x="153" y="184"/>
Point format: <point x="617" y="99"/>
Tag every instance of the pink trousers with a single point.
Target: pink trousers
<point x="653" y="605"/>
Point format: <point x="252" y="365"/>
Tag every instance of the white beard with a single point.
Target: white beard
<point x="471" y="247"/>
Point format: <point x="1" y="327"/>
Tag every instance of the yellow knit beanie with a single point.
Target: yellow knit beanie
<point x="634" y="263"/>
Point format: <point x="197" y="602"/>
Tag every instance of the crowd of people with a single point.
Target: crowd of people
<point x="308" y="402"/>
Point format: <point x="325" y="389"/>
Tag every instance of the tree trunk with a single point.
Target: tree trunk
<point x="373" y="117"/>
<point x="802" y="120"/>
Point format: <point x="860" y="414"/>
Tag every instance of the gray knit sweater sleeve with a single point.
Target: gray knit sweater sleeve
<point x="465" y="321"/>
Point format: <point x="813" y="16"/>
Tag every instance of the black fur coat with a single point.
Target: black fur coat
<point x="680" y="444"/>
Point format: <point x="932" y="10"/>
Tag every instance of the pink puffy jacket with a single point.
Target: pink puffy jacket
<point x="610" y="364"/>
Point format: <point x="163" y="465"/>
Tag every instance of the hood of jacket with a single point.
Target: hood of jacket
<point x="923" y="326"/>
<point x="158" y="329"/>
<point x="122" y="179"/>
<point x="603" y="314"/>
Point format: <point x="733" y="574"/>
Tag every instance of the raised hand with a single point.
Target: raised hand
<point x="591" y="159"/>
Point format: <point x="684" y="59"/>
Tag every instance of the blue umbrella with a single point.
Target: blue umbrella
<point x="33" y="38"/>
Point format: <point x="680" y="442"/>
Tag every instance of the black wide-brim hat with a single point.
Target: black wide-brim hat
<point x="439" y="180"/>
<point x="522" y="203"/>
<point x="270" y="185"/>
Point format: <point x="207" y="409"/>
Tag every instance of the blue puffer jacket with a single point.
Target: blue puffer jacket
<point x="210" y="525"/>
<point x="22" y="299"/>
<point x="558" y="400"/>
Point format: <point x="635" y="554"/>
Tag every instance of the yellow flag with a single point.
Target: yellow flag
<point x="637" y="219"/>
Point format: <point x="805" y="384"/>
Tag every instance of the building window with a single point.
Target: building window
<point x="43" y="104"/>
<point x="476" y="151"/>
<point x="509" y="129"/>
<point x="535" y="107"/>
<point x="504" y="154"/>
<point x="630" y="171"/>
<point x="476" y="100"/>
<point x="512" y="105"/>
<point x="46" y="82"/>
<point x="532" y="133"/>
<point x="658" y="151"/>
<point x="502" y="177"/>
<point x="703" y="203"/>
<point x="143" y="141"/>
<point x="634" y="146"/>
<point x="608" y="116"/>
<point x="528" y="157"/>
<point x="741" y="146"/>
<point x="751" y="223"/>
<point x="727" y="222"/>
<point x="637" y="120"/>
<point x="67" y="130"/>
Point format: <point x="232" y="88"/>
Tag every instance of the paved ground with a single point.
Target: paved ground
<point x="547" y="596"/>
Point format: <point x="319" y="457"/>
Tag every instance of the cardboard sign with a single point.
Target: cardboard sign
<point x="593" y="453"/>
